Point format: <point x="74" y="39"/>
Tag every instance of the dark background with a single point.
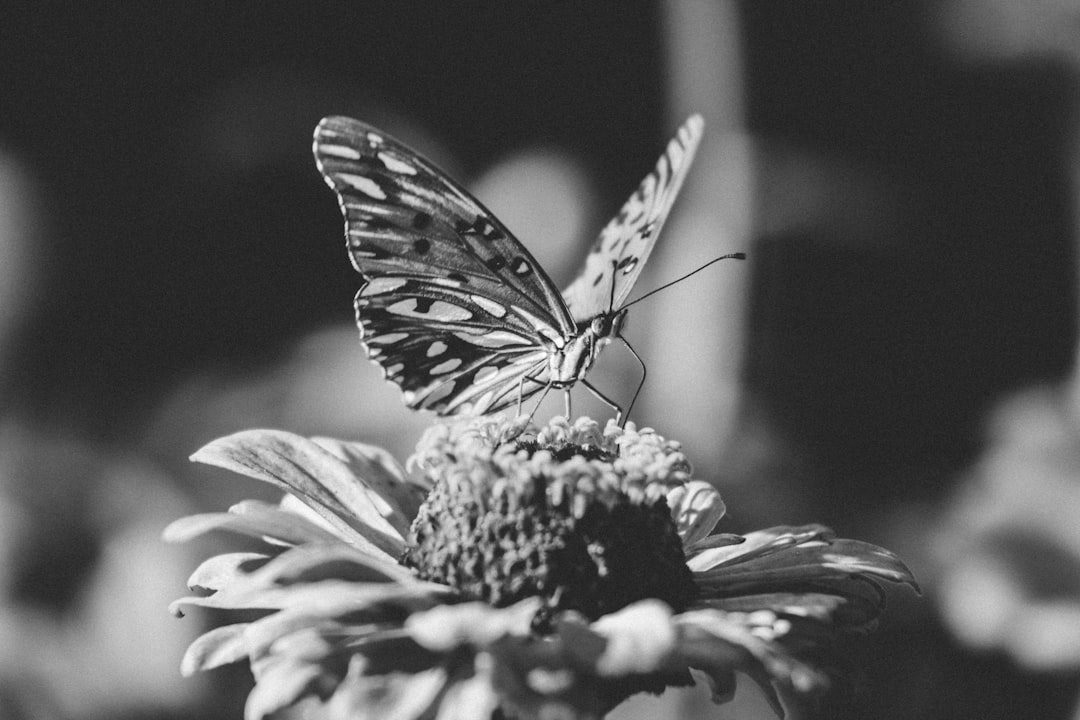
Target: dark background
<point x="186" y="227"/>
<point x="171" y="247"/>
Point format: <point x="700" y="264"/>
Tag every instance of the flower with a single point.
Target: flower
<point x="513" y="571"/>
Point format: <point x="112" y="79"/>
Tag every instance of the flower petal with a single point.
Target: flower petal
<point x="716" y="642"/>
<point x="394" y="696"/>
<point x="813" y="605"/>
<point x="640" y="638"/>
<point x="327" y="597"/>
<point x="799" y="573"/>
<point x="446" y="627"/>
<point x="719" y="540"/>
<point x="391" y="649"/>
<point x="834" y="560"/>
<point x="218" y="571"/>
<point x="760" y="542"/>
<point x="696" y="507"/>
<point x="220" y="646"/>
<point x="317" y="476"/>
<point x="558" y="676"/>
<point x="257" y="520"/>
<point x="331" y="561"/>
<point x="469" y="699"/>
<point x="384" y="475"/>
<point x="280" y="682"/>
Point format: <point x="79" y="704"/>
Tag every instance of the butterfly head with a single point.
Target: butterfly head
<point x="606" y="325"/>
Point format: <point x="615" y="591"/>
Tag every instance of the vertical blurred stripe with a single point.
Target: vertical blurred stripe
<point x="696" y="328"/>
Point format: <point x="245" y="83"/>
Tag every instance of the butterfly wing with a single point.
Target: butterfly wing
<point x="619" y="253"/>
<point x="453" y="308"/>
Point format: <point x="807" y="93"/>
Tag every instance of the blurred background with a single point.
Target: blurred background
<point x="896" y="359"/>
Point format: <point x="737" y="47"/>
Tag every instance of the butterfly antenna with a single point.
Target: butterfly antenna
<point x="729" y="256"/>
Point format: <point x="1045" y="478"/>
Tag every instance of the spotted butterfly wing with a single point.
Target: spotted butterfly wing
<point x="619" y="253"/>
<point x="453" y="308"/>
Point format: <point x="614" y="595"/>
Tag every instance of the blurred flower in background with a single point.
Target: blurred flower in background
<point x="1007" y="554"/>
<point x="1010" y="548"/>
<point x="81" y="569"/>
<point x="82" y="581"/>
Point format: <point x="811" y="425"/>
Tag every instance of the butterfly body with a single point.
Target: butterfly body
<point x="452" y="307"/>
<point x="567" y="365"/>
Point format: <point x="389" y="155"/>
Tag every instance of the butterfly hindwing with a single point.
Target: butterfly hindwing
<point x="623" y="246"/>
<point x="445" y="350"/>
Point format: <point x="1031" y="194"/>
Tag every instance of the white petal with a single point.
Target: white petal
<point x="640" y="637"/>
<point x="696" y="507"/>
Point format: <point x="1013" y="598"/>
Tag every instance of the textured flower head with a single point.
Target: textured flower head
<point x="516" y="570"/>
<point x="567" y="514"/>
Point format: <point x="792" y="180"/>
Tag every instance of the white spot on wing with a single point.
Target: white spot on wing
<point x="488" y="305"/>
<point x="484" y="401"/>
<point x="445" y="367"/>
<point x="341" y="151"/>
<point x="436" y="348"/>
<point x="437" y="310"/>
<point x="387" y="339"/>
<point x="439" y="393"/>
<point x="365" y="185"/>
<point x="494" y="339"/>
<point x="393" y="164"/>
<point x="394" y="369"/>
<point x="358" y="251"/>
<point x="382" y="285"/>
<point x="485" y="374"/>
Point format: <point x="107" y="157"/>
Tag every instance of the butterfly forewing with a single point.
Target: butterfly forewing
<point x="619" y="253"/>
<point x="454" y="309"/>
<point x="405" y="217"/>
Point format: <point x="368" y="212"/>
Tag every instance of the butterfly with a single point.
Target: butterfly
<point x="453" y="307"/>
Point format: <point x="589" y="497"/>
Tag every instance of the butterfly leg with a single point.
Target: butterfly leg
<point x="521" y="395"/>
<point x="644" y="372"/>
<point x="604" y="399"/>
<point x="543" y="395"/>
<point x="566" y="401"/>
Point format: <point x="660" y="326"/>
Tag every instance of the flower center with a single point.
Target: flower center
<point x="549" y="527"/>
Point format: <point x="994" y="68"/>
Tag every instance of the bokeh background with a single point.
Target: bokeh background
<point x="896" y="359"/>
